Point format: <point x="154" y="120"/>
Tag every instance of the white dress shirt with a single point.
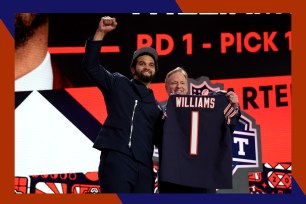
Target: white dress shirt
<point x="41" y="78"/>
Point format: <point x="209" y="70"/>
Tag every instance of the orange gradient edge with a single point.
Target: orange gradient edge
<point x="298" y="63"/>
<point x="7" y="138"/>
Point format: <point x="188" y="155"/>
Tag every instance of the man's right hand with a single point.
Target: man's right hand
<point x="106" y="25"/>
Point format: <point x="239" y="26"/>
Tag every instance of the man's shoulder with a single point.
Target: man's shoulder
<point x="121" y="76"/>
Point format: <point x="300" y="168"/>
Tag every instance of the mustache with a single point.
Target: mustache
<point x="146" y="70"/>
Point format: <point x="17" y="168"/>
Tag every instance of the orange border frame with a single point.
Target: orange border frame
<point x="298" y="110"/>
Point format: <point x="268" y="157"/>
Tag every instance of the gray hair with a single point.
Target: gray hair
<point x="177" y="69"/>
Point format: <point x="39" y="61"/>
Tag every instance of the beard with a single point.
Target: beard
<point x="144" y="78"/>
<point x="25" y="26"/>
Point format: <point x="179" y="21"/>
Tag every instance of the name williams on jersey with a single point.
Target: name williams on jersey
<point x="195" y="102"/>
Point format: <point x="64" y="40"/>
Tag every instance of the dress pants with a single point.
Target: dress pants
<point x="121" y="173"/>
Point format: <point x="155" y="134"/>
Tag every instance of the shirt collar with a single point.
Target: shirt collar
<point x="41" y="78"/>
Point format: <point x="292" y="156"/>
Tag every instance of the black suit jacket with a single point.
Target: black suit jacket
<point x="134" y="116"/>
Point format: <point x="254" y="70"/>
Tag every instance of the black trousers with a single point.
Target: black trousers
<point x="120" y="173"/>
<point x="167" y="187"/>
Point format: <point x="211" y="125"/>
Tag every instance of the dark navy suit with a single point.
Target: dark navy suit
<point x="126" y="138"/>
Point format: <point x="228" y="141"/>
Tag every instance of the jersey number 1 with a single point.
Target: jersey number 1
<point x="194" y="132"/>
